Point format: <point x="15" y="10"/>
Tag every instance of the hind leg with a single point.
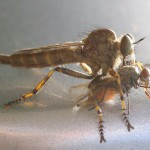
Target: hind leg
<point x="38" y="87"/>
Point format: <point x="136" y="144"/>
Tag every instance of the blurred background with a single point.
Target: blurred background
<point x="48" y="120"/>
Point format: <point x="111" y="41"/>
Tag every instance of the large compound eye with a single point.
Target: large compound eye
<point x="126" y="45"/>
<point x="144" y="75"/>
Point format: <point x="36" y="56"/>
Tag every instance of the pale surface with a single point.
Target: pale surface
<point x="51" y="123"/>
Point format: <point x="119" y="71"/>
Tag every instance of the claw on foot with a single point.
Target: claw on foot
<point x="101" y="130"/>
<point x="7" y="105"/>
<point x="102" y="138"/>
<point x="125" y="118"/>
<point x="129" y="126"/>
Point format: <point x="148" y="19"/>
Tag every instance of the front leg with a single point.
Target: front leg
<point x="126" y="120"/>
<point x="123" y="104"/>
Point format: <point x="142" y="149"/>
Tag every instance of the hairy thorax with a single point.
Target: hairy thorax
<point x="101" y="49"/>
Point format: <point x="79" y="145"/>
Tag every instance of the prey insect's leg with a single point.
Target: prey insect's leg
<point x="128" y="100"/>
<point x="44" y="80"/>
<point x="146" y="92"/>
<point x="128" y="105"/>
<point x="101" y="130"/>
<point x="116" y="75"/>
<point x="123" y="104"/>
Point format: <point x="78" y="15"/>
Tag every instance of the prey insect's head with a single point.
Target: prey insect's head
<point x="145" y="80"/>
<point x="127" y="46"/>
<point x="145" y="76"/>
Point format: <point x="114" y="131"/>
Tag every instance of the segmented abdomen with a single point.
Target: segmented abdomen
<point x="42" y="58"/>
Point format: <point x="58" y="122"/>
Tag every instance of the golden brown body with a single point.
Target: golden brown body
<point x="99" y="50"/>
<point x="47" y="56"/>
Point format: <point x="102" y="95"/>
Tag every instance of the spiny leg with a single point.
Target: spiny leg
<point x="127" y="122"/>
<point x="124" y="115"/>
<point x="116" y="75"/>
<point x="128" y="100"/>
<point x="101" y="130"/>
<point x="128" y="106"/>
<point x="123" y="104"/>
<point x="32" y="93"/>
<point x="44" y="80"/>
<point x="99" y="111"/>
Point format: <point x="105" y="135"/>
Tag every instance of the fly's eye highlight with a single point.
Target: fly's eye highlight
<point x="126" y="45"/>
<point x="144" y="75"/>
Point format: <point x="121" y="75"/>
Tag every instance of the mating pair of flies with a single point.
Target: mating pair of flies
<point x="107" y="60"/>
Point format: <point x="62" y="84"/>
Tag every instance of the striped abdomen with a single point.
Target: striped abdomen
<point x="43" y="57"/>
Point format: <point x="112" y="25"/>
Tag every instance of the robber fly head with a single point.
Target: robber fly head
<point x="127" y="46"/>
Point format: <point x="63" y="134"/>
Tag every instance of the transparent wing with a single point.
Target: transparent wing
<point x="49" y="47"/>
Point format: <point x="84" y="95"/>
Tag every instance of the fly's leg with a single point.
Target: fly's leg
<point x="127" y="122"/>
<point x="128" y="100"/>
<point x="86" y="68"/>
<point x="123" y="104"/>
<point x="140" y="65"/>
<point x="128" y="106"/>
<point x="146" y="92"/>
<point x="44" y="80"/>
<point x="101" y="130"/>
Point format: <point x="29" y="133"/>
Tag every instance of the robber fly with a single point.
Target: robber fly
<point x="100" y="50"/>
<point x="105" y="89"/>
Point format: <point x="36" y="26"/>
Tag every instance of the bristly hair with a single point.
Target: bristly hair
<point x="85" y="33"/>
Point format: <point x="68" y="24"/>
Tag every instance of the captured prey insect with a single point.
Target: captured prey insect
<point x="100" y="50"/>
<point x="100" y="90"/>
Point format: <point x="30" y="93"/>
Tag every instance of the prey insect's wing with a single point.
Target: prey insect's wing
<point x="68" y="45"/>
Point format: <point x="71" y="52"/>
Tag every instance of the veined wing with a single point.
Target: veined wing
<point x="68" y="45"/>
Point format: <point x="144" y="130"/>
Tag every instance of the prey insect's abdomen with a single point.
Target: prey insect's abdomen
<point x="107" y="95"/>
<point x="38" y="58"/>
